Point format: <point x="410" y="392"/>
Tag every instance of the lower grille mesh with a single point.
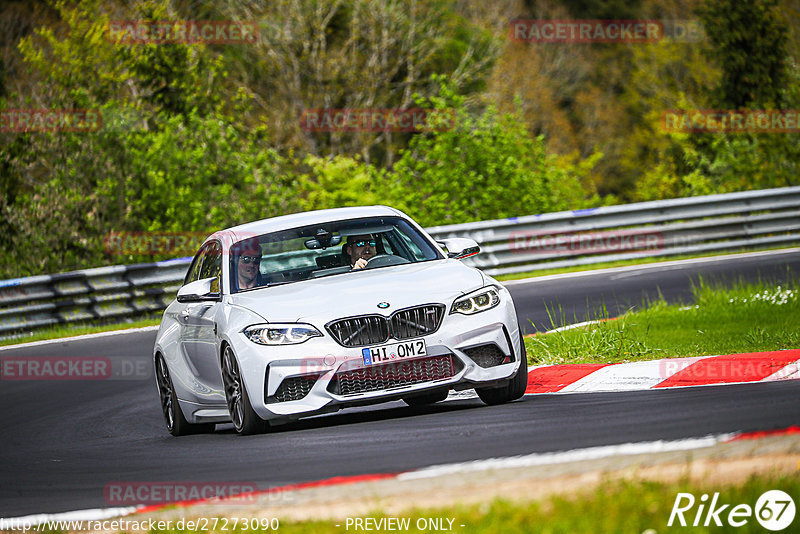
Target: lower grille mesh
<point x="393" y="375"/>
<point x="487" y="355"/>
<point x="293" y="388"/>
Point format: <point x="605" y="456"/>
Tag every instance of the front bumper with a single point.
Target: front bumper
<point x="319" y="376"/>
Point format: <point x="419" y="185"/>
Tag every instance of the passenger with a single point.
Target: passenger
<point x="248" y="266"/>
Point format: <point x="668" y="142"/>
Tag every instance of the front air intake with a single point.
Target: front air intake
<point x="486" y="356"/>
<point x="293" y="388"/>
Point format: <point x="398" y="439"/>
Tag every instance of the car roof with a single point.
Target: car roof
<point x="293" y="220"/>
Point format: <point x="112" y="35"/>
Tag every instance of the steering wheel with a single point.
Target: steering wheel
<point x="383" y="260"/>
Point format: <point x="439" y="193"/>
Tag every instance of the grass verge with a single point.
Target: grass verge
<point x="79" y="329"/>
<point x="744" y="317"/>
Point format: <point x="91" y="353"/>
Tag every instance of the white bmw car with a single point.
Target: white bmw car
<point x="309" y="313"/>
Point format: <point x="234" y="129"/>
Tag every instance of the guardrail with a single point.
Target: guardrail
<point x="105" y="293"/>
<point x="733" y="221"/>
<point x="713" y="223"/>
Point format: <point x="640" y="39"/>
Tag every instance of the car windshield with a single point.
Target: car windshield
<point x="326" y="249"/>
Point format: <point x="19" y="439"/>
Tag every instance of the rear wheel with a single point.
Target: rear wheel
<point x="245" y="419"/>
<point x="427" y="398"/>
<point x="177" y="425"/>
<point x="515" y="387"/>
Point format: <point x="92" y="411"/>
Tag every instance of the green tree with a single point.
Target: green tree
<point x="750" y="68"/>
<point x="171" y="155"/>
<point x="341" y="181"/>
<point x="463" y="167"/>
<point x="355" y="54"/>
<point x="480" y="167"/>
<point x="748" y="40"/>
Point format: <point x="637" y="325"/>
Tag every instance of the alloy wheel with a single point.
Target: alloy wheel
<point x="233" y="388"/>
<point x="165" y="392"/>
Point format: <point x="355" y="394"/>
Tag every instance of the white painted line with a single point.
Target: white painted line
<point x="654" y="265"/>
<point x="576" y="455"/>
<point x="81" y="337"/>
<point x="94" y="514"/>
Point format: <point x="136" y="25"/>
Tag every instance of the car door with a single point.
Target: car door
<point x="199" y="330"/>
<point x="179" y="311"/>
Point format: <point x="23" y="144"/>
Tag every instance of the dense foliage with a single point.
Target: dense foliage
<point x="195" y="137"/>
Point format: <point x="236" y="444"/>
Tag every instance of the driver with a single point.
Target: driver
<point x="360" y="249"/>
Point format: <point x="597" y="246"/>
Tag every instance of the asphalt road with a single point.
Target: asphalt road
<point x="63" y="442"/>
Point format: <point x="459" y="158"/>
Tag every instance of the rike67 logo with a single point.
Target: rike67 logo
<point x="774" y="510"/>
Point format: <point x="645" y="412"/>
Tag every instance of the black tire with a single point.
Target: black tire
<point x="427" y="398"/>
<point x="515" y="387"/>
<point x="245" y="420"/>
<point x="177" y="425"/>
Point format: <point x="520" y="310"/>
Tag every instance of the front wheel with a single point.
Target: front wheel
<point x="245" y="420"/>
<point x="177" y="425"/>
<point x="516" y="386"/>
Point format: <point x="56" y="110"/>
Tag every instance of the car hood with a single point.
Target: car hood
<point x="324" y="299"/>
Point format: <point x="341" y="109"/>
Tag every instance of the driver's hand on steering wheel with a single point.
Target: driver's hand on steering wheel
<point x="360" y="263"/>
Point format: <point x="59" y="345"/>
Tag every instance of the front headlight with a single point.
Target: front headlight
<point x="280" y="333"/>
<point x="483" y="299"/>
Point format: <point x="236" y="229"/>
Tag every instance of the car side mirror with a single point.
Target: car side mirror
<point x="200" y="290"/>
<point x="459" y="248"/>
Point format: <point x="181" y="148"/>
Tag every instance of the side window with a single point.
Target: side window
<point x="212" y="264"/>
<point x="193" y="273"/>
<point x="412" y="247"/>
<point x="387" y="244"/>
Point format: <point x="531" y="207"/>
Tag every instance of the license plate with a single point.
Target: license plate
<point x="394" y="352"/>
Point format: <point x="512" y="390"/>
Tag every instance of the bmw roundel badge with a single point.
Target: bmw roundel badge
<point x="383" y="305"/>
